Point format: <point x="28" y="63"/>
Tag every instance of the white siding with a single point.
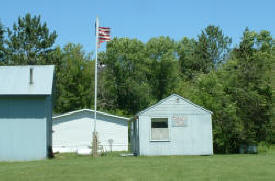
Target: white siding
<point x="74" y="132"/>
<point x="195" y="138"/>
<point x="174" y="105"/>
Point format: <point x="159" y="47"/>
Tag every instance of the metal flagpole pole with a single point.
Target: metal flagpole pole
<point x="96" y="68"/>
<point x="95" y="98"/>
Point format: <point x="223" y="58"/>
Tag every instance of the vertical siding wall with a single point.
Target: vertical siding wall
<point x="134" y="137"/>
<point x="49" y="108"/>
<point x="195" y="138"/>
<point x="23" y="122"/>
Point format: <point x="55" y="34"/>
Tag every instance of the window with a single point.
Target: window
<point x="159" y="129"/>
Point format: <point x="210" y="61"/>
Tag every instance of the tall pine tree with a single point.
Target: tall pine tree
<point x="29" y="41"/>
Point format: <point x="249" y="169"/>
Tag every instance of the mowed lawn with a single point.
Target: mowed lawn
<point x="69" y="167"/>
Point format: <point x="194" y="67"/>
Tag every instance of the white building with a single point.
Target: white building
<point x="173" y="126"/>
<point x="73" y="131"/>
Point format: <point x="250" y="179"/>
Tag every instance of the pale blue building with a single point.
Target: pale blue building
<point x="26" y="94"/>
<point x="173" y="126"/>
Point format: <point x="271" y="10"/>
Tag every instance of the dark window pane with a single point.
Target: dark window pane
<point x="159" y="123"/>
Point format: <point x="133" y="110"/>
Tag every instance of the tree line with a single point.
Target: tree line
<point x="234" y="82"/>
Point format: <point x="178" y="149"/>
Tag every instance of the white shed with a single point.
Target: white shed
<point x="173" y="126"/>
<point x="73" y="131"/>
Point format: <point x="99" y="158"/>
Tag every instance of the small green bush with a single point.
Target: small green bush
<point x="263" y="147"/>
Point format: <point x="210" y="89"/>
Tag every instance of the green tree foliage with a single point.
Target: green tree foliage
<point x="272" y="75"/>
<point x="238" y="91"/>
<point x="29" y="41"/>
<point x="189" y="67"/>
<point x="239" y="94"/>
<point x="204" y="54"/>
<point x="212" y="48"/>
<point x="252" y="92"/>
<point x="125" y="74"/>
<point x="164" y="71"/>
<point x="2" y="53"/>
<point x="210" y="92"/>
<point x="74" y="74"/>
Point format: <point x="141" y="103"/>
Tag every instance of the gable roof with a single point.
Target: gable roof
<point x="90" y="110"/>
<point x="165" y="99"/>
<point x="15" y="80"/>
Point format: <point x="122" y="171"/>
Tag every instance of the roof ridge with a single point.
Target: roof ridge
<point x="89" y="110"/>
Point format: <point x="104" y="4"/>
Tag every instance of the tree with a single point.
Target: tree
<point x="124" y="85"/>
<point x="210" y="92"/>
<point x="74" y="74"/>
<point x="205" y="54"/>
<point x="164" y="71"/>
<point x="272" y="75"/>
<point x="189" y="66"/>
<point x="1" y="43"/>
<point x="252" y="92"/>
<point x="238" y="92"/>
<point x="211" y="49"/>
<point x="29" y="41"/>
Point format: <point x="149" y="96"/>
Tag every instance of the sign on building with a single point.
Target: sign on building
<point x="179" y="121"/>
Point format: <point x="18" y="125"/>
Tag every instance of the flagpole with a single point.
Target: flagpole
<point x="94" y="146"/>
<point x="96" y="44"/>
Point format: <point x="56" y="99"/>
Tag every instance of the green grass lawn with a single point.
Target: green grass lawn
<point x="69" y="167"/>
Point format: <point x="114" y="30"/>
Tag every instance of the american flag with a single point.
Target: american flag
<point x="103" y="34"/>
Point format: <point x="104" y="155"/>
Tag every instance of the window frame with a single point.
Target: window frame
<point x="169" y="129"/>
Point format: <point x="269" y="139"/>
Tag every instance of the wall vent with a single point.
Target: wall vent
<point x="31" y="75"/>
